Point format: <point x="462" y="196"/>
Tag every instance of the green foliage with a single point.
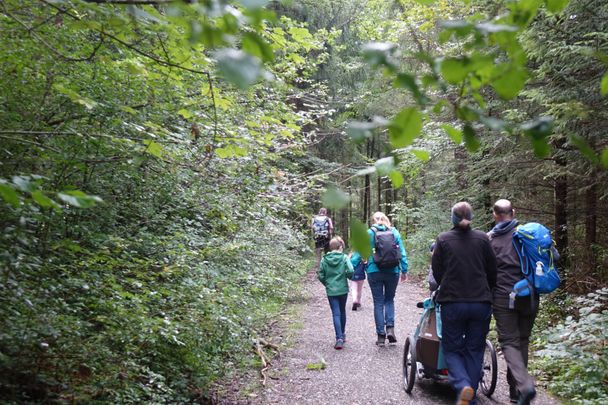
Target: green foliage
<point x="334" y="198"/>
<point x="604" y="85"/>
<point x="148" y="208"/>
<point x="573" y="352"/>
<point x="359" y="239"/>
<point x="405" y="127"/>
<point x="320" y="365"/>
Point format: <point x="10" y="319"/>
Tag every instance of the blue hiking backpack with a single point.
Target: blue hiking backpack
<point x="533" y="245"/>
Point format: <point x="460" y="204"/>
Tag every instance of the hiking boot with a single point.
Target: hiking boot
<point x="466" y="395"/>
<point x="390" y="334"/>
<point x="381" y="338"/>
<point x="513" y="394"/>
<point x="339" y="344"/>
<point x="525" y="397"/>
<point x="355" y="306"/>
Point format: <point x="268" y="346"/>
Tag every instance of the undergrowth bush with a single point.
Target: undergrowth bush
<point x="151" y="317"/>
<point x="573" y="354"/>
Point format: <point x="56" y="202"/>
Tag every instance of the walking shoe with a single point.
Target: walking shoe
<point x="339" y="344"/>
<point x="381" y="338"/>
<point x="354" y="306"/>
<point x="466" y="395"/>
<point x="390" y="334"/>
<point x="525" y="397"/>
<point x="513" y="394"/>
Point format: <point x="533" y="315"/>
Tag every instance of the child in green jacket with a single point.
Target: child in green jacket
<point x="335" y="268"/>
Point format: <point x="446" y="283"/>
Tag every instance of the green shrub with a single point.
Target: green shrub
<point x="147" y="318"/>
<point x="574" y="354"/>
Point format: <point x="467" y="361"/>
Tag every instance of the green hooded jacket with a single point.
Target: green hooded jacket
<point x="335" y="268"/>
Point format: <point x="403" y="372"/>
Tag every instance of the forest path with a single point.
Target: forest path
<point x="362" y="373"/>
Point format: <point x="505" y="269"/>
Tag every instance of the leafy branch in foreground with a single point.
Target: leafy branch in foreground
<point x="488" y="62"/>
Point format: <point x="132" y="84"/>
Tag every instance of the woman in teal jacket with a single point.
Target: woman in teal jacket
<point x="383" y="282"/>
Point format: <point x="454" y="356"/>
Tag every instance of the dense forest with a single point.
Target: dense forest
<point x="160" y="162"/>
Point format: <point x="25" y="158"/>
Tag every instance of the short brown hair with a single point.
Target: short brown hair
<point x="336" y="243"/>
<point x="503" y="207"/>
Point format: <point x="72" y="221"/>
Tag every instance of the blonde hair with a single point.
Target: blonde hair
<point x="380" y="218"/>
<point x="336" y="243"/>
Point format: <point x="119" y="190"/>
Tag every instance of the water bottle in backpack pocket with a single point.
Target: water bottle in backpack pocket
<point x="534" y="247"/>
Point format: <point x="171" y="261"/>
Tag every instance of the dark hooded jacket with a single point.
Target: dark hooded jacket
<point x="507" y="261"/>
<point x="464" y="265"/>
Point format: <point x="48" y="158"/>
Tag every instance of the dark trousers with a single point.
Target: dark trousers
<point x="464" y="329"/>
<point x="338" y="313"/>
<point x="514" y="327"/>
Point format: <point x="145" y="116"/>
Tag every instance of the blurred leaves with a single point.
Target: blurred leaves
<point x="238" y="67"/>
<point x="538" y="130"/>
<point x="359" y="238"/>
<point x="604" y="85"/>
<point x="555" y="6"/>
<point x="79" y="199"/>
<point x="405" y="127"/>
<point x="334" y="198"/>
<point x="8" y="194"/>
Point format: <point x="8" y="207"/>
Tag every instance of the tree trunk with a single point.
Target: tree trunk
<point x="388" y="199"/>
<point x="460" y="154"/>
<point x="366" y="199"/>
<point x="379" y="193"/>
<point x="591" y="220"/>
<point x="561" y="205"/>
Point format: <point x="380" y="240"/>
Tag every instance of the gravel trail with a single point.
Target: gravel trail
<point x="362" y="373"/>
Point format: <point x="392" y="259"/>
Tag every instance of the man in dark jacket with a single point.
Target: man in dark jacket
<point x="464" y="266"/>
<point x="514" y="324"/>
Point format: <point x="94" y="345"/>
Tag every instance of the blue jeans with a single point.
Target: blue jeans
<point x="383" y="286"/>
<point x="464" y="329"/>
<point x="338" y="313"/>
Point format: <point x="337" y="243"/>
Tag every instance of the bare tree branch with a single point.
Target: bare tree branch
<point x="30" y="31"/>
<point x="28" y="142"/>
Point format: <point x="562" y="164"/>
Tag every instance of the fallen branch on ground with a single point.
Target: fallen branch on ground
<point x="260" y="344"/>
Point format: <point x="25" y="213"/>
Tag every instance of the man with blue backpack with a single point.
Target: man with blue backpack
<point x="524" y="259"/>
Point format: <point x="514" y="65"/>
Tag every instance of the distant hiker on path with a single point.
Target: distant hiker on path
<point x="389" y="259"/>
<point x="333" y="271"/>
<point x="464" y="266"/>
<point x="322" y="229"/>
<point x="514" y="325"/>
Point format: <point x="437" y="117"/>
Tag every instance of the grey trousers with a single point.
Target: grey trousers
<point x="514" y="327"/>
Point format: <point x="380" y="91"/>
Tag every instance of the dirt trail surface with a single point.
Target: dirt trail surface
<point x="362" y="373"/>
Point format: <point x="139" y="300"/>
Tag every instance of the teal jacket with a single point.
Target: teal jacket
<point x="371" y="266"/>
<point x="335" y="268"/>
